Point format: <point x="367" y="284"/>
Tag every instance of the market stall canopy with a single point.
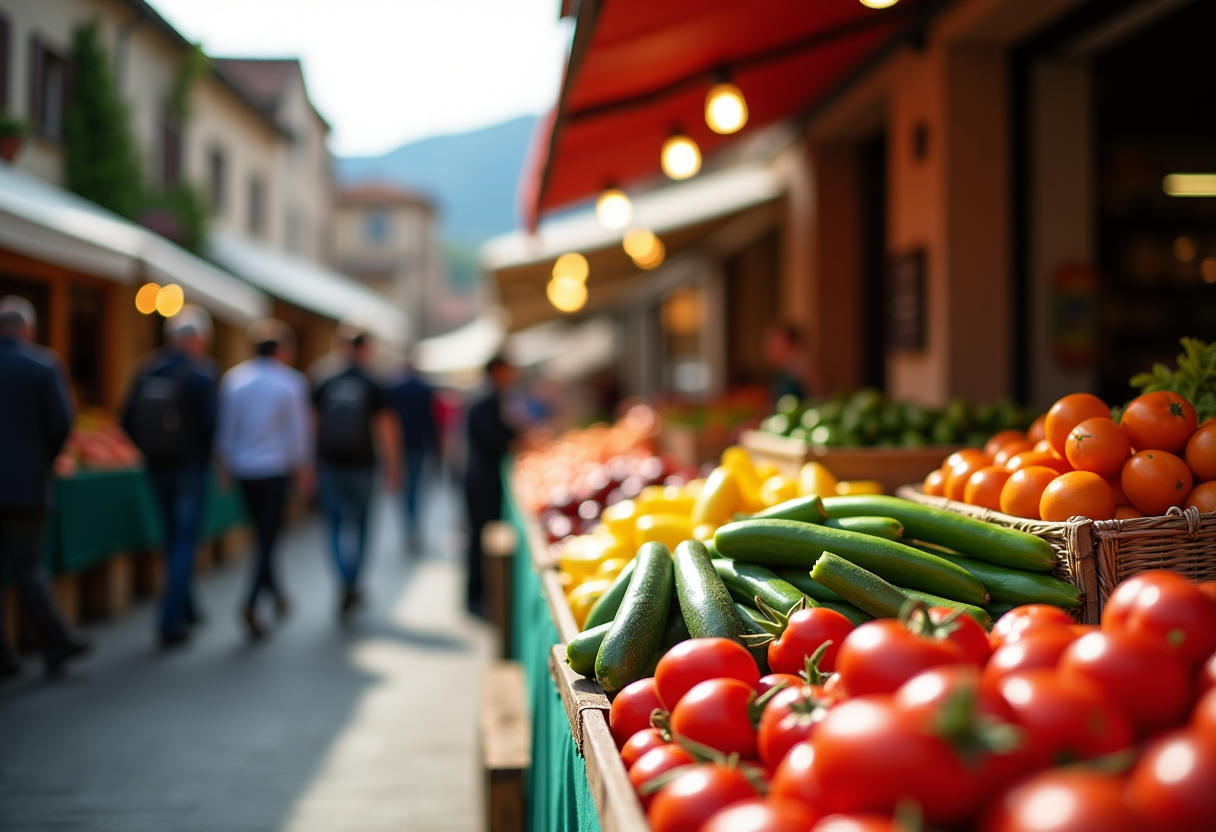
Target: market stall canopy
<point x="565" y="351"/>
<point x="45" y="222"/>
<point x="312" y="287"/>
<point x="638" y="71"/>
<point x="463" y="350"/>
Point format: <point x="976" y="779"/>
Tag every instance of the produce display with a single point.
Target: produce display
<point x="868" y="418"/>
<point x="1194" y="379"/>
<point x="1077" y="461"/>
<point x="96" y="443"/>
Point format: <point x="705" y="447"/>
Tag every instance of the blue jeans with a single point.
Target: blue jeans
<point x="181" y="491"/>
<point x="345" y="492"/>
<point x="415" y="466"/>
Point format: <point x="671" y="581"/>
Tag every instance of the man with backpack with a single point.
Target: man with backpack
<point x="170" y="414"/>
<point x="350" y="405"/>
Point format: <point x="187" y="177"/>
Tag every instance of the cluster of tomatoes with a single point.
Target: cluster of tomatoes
<point x="1042" y="725"/>
<point x="1076" y="461"/>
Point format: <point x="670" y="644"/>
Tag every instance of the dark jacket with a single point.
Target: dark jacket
<point x="35" y="418"/>
<point x="360" y="447"/>
<point x="489" y="440"/>
<point x="199" y="391"/>
<point x="414" y="401"/>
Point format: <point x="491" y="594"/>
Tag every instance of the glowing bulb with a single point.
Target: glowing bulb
<point x="170" y="299"/>
<point x="879" y="4"/>
<point x="640" y="243"/>
<point x="567" y="294"/>
<point x="1190" y="184"/>
<point x="725" y="109"/>
<point x="145" y="298"/>
<point x="681" y="157"/>
<point x="572" y="265"/>
<point x="613" y="209"/>
<point x="654" y="258"/>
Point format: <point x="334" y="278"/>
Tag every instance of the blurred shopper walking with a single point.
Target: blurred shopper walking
<point x="264" y="438"/>
<point x="414" y="402"/>
<point x="34" y="424"/>
<point x="170" y="414"/>
<point x="489" y="439"/>
<point x="351" y="405"/>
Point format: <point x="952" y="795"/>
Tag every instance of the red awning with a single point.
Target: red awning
<point x="639" y="71"/>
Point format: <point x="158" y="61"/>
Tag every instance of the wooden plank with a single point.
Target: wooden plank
<point x="579" y="694"/>
<point x="66" y="589"/>
<point x="499" y="543"/>
<point x="149" y="573"/>
<point x="506" y="745"/>
<point x="618" y="804"/>
<point x="106" y="589"/>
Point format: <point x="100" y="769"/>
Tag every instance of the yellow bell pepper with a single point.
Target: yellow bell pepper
<point x="816" y="479"/>
<point x="720" y="499"/>
<point x="666" y="503"/>
<point x="668" y="529"/>
<point x="583" y="598"/>
<point x="651" y="493"/>
<point x="766" y="470"/>
<point x="581" y="556"/>
<point x="777" y="489"/>
<point x="704" y="532"/>
<point x="611" y="567"/>
<point x="693" y="488"/>
<point x="738" y="460"/>
<point x="620" y="520"/>
<point x="855" y="487"/>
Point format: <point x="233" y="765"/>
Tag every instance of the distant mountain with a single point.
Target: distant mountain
<point x="472" y="177"/>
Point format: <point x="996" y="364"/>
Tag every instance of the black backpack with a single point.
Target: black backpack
<point x="160" y="418"/>
<point x="345" y="409"/>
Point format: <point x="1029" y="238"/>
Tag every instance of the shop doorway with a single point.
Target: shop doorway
<point x="872" y="168"/>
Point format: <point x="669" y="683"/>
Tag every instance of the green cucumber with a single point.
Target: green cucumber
<point x="802" y="509"/>
<point x="859" y="587"/>
<point x="801" y="578"/>
<point x="966" y="535"/>
<point x="749" y="618"/>
<point x="637" y="630"/>
<point x="789" y="543"/>
<point x="1016" y="586"/>
<point x="582" y="649"/>
<point x="704" y="600"/>
<point x="604" y="609"/>
<point x="886" y="527"/>
<point x="747" y="581"/>
<point x="978" y="613"/>
<point x="849" y="611"/>
<point x="997" y="610"/>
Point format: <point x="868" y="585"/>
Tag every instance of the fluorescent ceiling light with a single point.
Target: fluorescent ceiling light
<point x="1190" y="184"/>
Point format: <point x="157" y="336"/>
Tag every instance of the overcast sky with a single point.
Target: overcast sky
<point x="386" y="72"/>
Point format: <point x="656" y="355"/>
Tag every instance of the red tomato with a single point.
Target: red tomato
<point x="639" y="744"/>
<point x="698" y="659"/>
<point x="693" y="797"/>
<point x="966" y="632"/>
<point x="881" y="655"/>
<point x="717" y="713"/>
<point x="1208" y="588"/>
<point x="834" y="689"/>
<point x="806" y="631"/>
<point x="856" y="823"/>
<point x="1065" y="720"/>
<point x="1064" y="800"/>
<point x="773" y="814"/>
<point x="1172" y="785"/>
<point x="1207" y="674"/>
<point x="1162" y="421"/>
<point x="869" y="757"/>
<point x="1203" y="717"/>
<point x="632" y="708"/>
<point x="1152" y="688"/>
<point x="1030" y="649"/>
<point x="924" y="695"/>
<point x="1168" y="608"/>
<point x="654" y="762"/>
<point x="771" y="681"/>
<point x="788" y="719"/>
<point x="796" y="778"/>
<point x="1027" y="615"/>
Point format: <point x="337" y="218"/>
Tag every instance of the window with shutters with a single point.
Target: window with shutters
<point x="257" y="206"/>
<point x="48" y="90"/>
<point x="170" y="151"/>
<point x="217" y="180"/>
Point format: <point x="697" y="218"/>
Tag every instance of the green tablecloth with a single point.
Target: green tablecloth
<point x="559" y="797"/>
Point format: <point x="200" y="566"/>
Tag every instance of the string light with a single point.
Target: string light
<point x="170" y="300"/>
<point x="567" y="294"/>
<point x="879" y="4"/>
<point x="639" y="242"/>
<point x="654" y="258"/>
<point x="725" y="109"/>
<point x="572" y="265"/>
<point x="681" y="157"/>
<point x="613" y="209"/>
<point x="145" y="298"/>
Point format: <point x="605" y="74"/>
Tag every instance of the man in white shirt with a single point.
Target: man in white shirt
<point x="264" y="437"/>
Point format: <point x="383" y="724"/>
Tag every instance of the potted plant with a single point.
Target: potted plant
<point x="12" y="134"/>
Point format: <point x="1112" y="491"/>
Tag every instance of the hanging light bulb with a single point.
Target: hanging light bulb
<point x="879" y="4"/>
<point x="572" y="265"/>
<point x="567" y="294"/>
<point x="639" y="242"/>
<point x="653" y="258"/>
<point x="613" y="209"/>
<point x="681" y="157"/>
<point x="725" y="109"/>
<point x="170" y="299"/>
<point x="145" y="298"/>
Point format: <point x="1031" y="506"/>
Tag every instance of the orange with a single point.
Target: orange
<point x="935" y="483"/>
<point x="1202" y="497"/>
<point x="1001" y="439"/>
<point x="1044" y="458"/>
<point x="1038" y="429"/>
<point x="984" y="487"/>
<point x="956" y="480"/>
<point x="1098" y="445"/>
<point x="1116" y="488"/>
<point x="1077" y="494"/>
<point x="1022" y="492"/>
<point x="1069" y="412"/>
<point x="1044" y="447"/>
<point x="1006" y="453"/>
<point x="1159" y="421"/>
<point x="1127" y="513"/>
<point x="1201" y="452"/>
<point x="1156" y="480"/>
<point x="961" y="456"/>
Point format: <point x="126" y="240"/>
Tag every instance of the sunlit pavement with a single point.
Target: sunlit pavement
<point x="371" y="727"/>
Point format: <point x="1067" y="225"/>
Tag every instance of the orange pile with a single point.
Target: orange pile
<point x="1075" y="461"/>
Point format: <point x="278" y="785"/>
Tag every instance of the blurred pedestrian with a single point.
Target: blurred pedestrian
<point x="170" y="415"/>
<point x="414" y="402"/>
<point x="794" y="374"/>
<point x="489" y="439"/>
<point x="34" y="424"/>
<point x="263" y="439"/>
<point x="351" y="406"/>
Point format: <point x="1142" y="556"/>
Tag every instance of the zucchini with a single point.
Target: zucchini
<point x="675" y="632"/>
<point x="747" y="581"/>
<point x="997" y="610"/>
<point x="849" y="611"/>
<point x="789" y="543"/>
<point x="887" y="527"/>
<point x="1016" y="586"/>
<point x="704" y="600"/>
<point x="861" y="588"/>
<point x="604" y="609"/>
<point x="637" y="630"/>
<point x="978" y="613"/>
<point x="802" y="509"/>
<point x="582" y="649"/>
<point x="801" y="578"/>
<point x="966" y="535"/>
<point x="749" y="618"/>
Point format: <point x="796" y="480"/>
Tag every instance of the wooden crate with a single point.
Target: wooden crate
<point x="499" y="543"/>
<point x="149" y="573"/>
<point x="506" y="746"/>
<point x="107" y="589"/>
<point x="893" y="467"/>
